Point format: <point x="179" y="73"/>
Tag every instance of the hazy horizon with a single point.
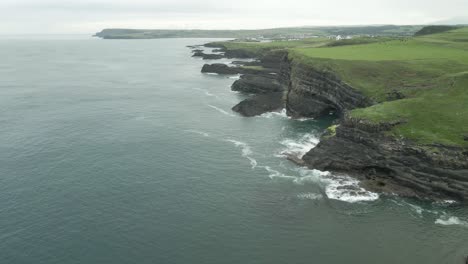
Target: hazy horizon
<point x="90" y="16"/>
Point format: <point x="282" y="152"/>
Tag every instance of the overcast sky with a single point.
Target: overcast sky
<point x="90" y="16"/>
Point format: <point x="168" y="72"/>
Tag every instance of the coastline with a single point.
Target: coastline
<point x="363" y="150"/>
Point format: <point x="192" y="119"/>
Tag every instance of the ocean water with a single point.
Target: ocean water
<point x="121" y="151"/>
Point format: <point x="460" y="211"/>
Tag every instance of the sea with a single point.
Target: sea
<point x="122" y="151"/>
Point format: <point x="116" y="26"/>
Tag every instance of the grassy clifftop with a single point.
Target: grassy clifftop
<point x="430" y="72"/>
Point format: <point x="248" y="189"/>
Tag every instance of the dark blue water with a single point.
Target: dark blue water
<point x="123" y="152"/>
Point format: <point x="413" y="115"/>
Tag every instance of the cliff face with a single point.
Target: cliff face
<point x="390" y="165"/>
<point x="383" y="163"/>
<point x="315" y="93"/>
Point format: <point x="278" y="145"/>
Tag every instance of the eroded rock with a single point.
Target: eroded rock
<point x="260" y="104"/>
<point x="250" y="83"/>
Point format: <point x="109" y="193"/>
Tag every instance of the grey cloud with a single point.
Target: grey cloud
<point x="21" y="16"/>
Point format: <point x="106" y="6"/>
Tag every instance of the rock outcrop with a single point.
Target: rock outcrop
<point x="390" y="165"/>
<point x="221" y="68"/>
<point x="315" y="93"/>
<point x="205" y="56"/>
<point x="260" y="104"/>
<point x="251" y="83"/>
<point x="362" y="149"/>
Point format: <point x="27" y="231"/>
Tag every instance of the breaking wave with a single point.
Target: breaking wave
<point x="309" y="196"/>
<point x="276" y="174"/>
<point x="337" y="187"/>
<point x="448" y="220"/>
<point x="246" y="151"/>
<point x="281" y="114"/>
<point x="299" y="147"/>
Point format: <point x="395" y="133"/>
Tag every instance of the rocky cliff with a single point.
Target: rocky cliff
<point x="391" y="165"/>
<point x="365" y="150"/>
<point x="316" y="92"/>
<point x="383" y="163"/>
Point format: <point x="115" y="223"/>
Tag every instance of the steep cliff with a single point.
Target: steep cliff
<point x="316" y="92"/>
<point x="392" y="165"/>
<point x="366" y="150"/>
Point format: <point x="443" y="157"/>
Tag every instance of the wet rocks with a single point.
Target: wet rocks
<point x="315" y="93"/>
<point x="390" y="165"/>
<point x="207" y="56"/>
<point x="250" y="83"/>
<point x="221" y="68"/>
<point x="260" y="104"/>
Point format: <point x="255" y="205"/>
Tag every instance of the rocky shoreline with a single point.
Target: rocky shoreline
<point x="383" y="163"/>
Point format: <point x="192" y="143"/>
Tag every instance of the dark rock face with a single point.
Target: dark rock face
<point x="221" y="68"/>
<point x="257" y="84"/>
<point x="246" y="63"/>
<point x="260" y="104"/>
<point x="314" y="93"/>
<point x="207" y="56"/>
<point x="389" y="165"/>
<point x="272" y="60"/>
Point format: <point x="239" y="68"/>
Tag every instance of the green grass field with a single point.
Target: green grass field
<point x="260" y="48"/>
<point x="431" y="71"/>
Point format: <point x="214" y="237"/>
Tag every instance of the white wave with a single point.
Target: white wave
<point x="221" y="110"/>
<point x="276" y="174"/>
<point x="347" y="189"/>
<point x="315" y="176"/>
<point x="303" y="119"/>
<point x="235" y="77"/>
<point x="246" y="151"/>
<point x="211" y="73"/>
<point x="281" y="114"/>
<point x="299" y="147"/>
<point x="309" y="196"/>
<point x="198" y="132"/>
<point x="206" y="92"/>
<point x="446" y="202"/>
<point x="450" y="220"/>
<point x="343" y="188"/>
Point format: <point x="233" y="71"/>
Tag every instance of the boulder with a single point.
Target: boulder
<point x="220" y="68"/>
<point x="207" y="56"/>
<point x="260" y="104"/>
<point x="250" y="83"/>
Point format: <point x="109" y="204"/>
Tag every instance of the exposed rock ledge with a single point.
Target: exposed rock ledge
<point x="383" y="163"/>
<point x="260" y="104"/>
<point x="251" y="83"/>
<point x="388" y="165"/>
<point x="315" y="93"/>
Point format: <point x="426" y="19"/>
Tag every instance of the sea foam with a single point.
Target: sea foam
<point x="451" y="220"/>
<point x="299" y="147"/>
<point x="246" y="151"/>
<point x="342" y="188"/>
<point x="281" y="114"/>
